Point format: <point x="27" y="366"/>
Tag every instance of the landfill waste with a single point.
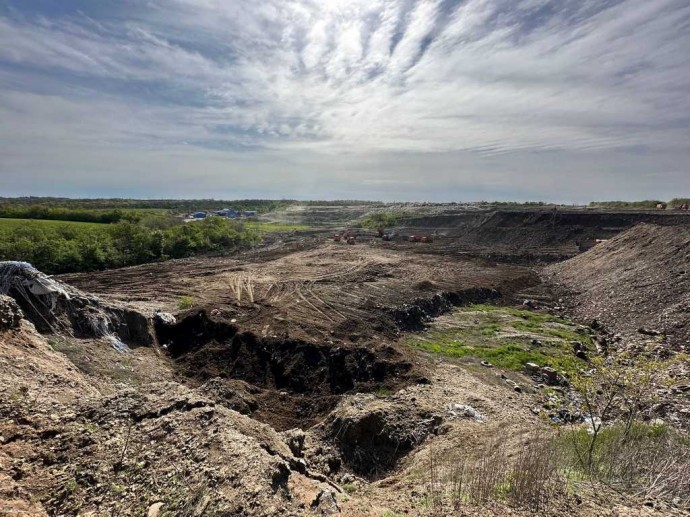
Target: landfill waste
<point x="45" y="299"/>
<point x="463" y="410"/>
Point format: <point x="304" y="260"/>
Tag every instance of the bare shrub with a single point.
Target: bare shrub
<point x="240" y="284"/>
<point x="534" y="474"/>
<point x="618" y="447"/>
<point x="490" y="474"/>
<point x="647" y="460"/>
<point x="487" y="476"/>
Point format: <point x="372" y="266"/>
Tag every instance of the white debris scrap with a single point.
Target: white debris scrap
<point x="464" y="411"/>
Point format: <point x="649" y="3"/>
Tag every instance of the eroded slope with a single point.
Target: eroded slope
<point x="639" y="280"/>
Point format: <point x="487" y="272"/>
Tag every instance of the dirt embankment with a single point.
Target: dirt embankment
<point x="639" y="280"/>
<point x="285" y="382"/>
<point x="528" y="236"/>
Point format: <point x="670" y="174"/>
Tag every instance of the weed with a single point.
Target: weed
<point x="646" y="459"/>
<point x="71" y="485"/>
<point x="384" y="392"/>
<point x="185" y="303"/>
<point x="117" y="489"/>
<point x="349" y="488"/>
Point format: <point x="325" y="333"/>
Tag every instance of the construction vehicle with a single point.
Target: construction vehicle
<point x="684" y="206"/>
<point x="420" y="238"/>
<point x="337" y="237"/>
<point x="351" y="239"/>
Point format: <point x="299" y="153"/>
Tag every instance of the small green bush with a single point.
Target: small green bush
<point x="185" y="303"/>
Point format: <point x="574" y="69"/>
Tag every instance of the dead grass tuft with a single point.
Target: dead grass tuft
<point x="527" y="480"/>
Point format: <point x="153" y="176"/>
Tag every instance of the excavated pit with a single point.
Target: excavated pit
<point x="283" y="382"/>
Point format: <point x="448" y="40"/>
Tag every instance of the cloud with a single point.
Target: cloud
<point x="351" y="82"/>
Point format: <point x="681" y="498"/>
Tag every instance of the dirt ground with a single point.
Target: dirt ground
<point x="288" y="382"/>
<point x="332" y="292"/>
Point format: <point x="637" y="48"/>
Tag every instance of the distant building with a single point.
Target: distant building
<point x="231" y="213"/>
<point x="199" y="215"/>
<point x="250" y="213"/>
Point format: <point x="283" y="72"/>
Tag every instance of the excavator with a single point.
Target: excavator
<point x="346" y="237"/>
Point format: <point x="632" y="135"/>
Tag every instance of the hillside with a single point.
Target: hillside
<point x="639" y="280"/>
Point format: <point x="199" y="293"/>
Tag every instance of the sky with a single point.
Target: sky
<point x="395" y="100"/>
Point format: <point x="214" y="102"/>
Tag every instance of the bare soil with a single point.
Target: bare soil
<point x="285" y="385"/>
<point x="639" y="280"/>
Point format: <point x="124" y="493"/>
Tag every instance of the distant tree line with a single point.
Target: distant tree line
<point x="46" y="212"/>
<point x="175" y="205"/>
<point x="640" y="205"/>
<point x="74" y="248"/>
<point x="632" y="205"/>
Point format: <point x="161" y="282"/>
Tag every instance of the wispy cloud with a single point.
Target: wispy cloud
<point x="309" y="81"/>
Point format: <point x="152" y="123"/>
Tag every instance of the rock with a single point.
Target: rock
<point x="487" y="364"/>
<point x="580" y="350"/>
<point x="10" y="313"/>
<point x="326" y="502"/>
<point x="155" y="509"/>
<point x="551" y="376"/>
<point x="536" y="342"/>
<point x="648" y="332"/>
<point x="295" y="440"/>
<point x="373" y="435"/>
<point x="582" y="355"/>
<point x="532" y="369"/>
<point x="516" y="387"/>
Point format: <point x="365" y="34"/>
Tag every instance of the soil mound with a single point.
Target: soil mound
<point x="637" y="282"/>
<point x="372" y="435"/>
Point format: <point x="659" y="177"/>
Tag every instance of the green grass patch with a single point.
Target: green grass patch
<point x="526" y="315"/>
<point x="504" y="336"/>
<point x="349" y="488"/>
<point x="185" y="303"/>
<point x="275" y="227"/>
